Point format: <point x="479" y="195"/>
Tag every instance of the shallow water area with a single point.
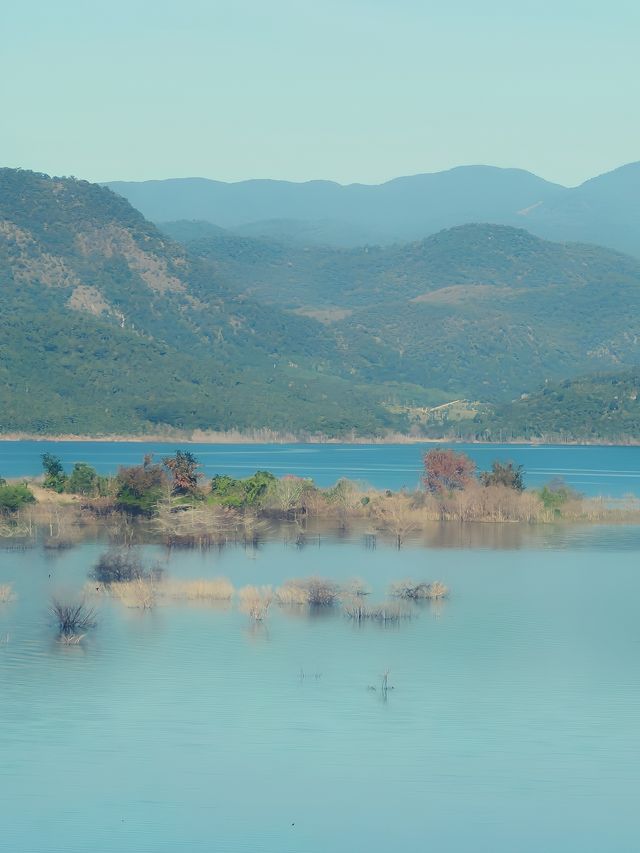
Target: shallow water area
<point x="509" y="723"/>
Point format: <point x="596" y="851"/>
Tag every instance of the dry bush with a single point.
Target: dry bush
<point x="438" y="590"/>
<point x="197" y="525"/>
<point x="71" y="639"/>
<point x="256" y="601"/>
<point x="72" y="617"/>
<point x="488" y="503"/>
<point x="200" y="589"/>
<point x="118" y="566"/>
<point x="141" y="593"/>
<point x="292" y="594"/>
<point x="356" y="587"/>
<point x="398" y="515"/>
<point x="316" y="592"/>
<point x="417" y="591"/>
<point x="6" y="593"/>
<point x="252" y="528"/>
<point x="321" y="592"/>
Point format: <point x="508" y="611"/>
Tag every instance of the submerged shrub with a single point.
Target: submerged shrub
<point x="6" y="593"/>
<point x="316" y="592"/>
<point x="409" y="589"/>
<point x="356" y="587"/>
<point x="292" y="594"/>
<point x="72" y="618"/>
<point x="118" y="566"/>
<point x="255" y="601"/>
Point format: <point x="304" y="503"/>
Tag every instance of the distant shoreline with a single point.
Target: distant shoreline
<point x="269" y="437"/>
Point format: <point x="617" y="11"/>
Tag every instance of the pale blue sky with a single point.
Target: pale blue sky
<point x="350" y="90"/>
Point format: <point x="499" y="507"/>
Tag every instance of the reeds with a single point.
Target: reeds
<point x="141" y="593"/>
<point x="417" y="591"/>
<point x="201" y="589"/>
<point x="388" y="611"/>
<point x="292" y="594"/>
<point x="6" y="593"/>
<point x="255" y="601"/>
<point x="72" y="619"/>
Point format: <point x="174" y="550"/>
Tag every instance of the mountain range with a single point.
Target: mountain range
<point x="109" y="324"/>
<point x="604" y="210"/>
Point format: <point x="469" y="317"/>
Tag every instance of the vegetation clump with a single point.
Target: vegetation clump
<point x="73" y="619"/>
<point x="313" y="591"/>
<point x="388" y="611"/>
<point x="249" y="492"/>
<point x="14" y="497"/>
<point x="504" y="474"/>
<point x="141" y="592"/>
<point x="255" y="601"/>
<point x="446" y="471"/>
<point x="140" y="488"/>
<point x="6" y="593"/>
<point x="201" y="589"/>
<point x="119" y="566"/>
<point x="417" y="591"/>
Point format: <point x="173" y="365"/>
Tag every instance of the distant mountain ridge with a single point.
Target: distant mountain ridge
<point x="604" y="210"/>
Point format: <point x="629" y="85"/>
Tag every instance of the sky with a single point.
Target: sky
<point x="346" y="90"/>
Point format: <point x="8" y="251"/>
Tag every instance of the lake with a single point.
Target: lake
<point x="607" y="471"/>
<point x="511" y="722"/>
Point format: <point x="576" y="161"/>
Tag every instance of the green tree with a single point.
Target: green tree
<point x="83" y="480"/>
<point x="140" y="487"/>
<point x="54" y="476"/>
<point x="231" y="492"/>
<point x="13" y="498"/>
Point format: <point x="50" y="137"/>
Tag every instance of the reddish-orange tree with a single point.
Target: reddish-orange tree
<point x="184" y="469"/>
<point x="446" y="470"/>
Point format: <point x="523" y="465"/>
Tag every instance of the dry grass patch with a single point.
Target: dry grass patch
<point x="200" y="589"/>
<point x="141" y="593"/>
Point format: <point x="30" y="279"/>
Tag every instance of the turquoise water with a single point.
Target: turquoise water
<point x="512" y="724"/>
<point x="609" y="471"/>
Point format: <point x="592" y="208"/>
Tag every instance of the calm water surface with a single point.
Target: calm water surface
<point x="512" y="725"/>
<point x="608" y="471"/>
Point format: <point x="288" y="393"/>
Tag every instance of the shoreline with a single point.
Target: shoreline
<point x="268" y="437"/>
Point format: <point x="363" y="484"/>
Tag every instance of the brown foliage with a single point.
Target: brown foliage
<point x="446" y="470"/>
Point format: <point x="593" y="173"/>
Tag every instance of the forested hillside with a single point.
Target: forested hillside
<point x="483" y="311"/>
<point x="603" y="407"/>
<point x="106" y="325"/>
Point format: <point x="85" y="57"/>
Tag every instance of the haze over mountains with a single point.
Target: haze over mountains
<point x="109" y="325"/>
<point x="604" y="210"/>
